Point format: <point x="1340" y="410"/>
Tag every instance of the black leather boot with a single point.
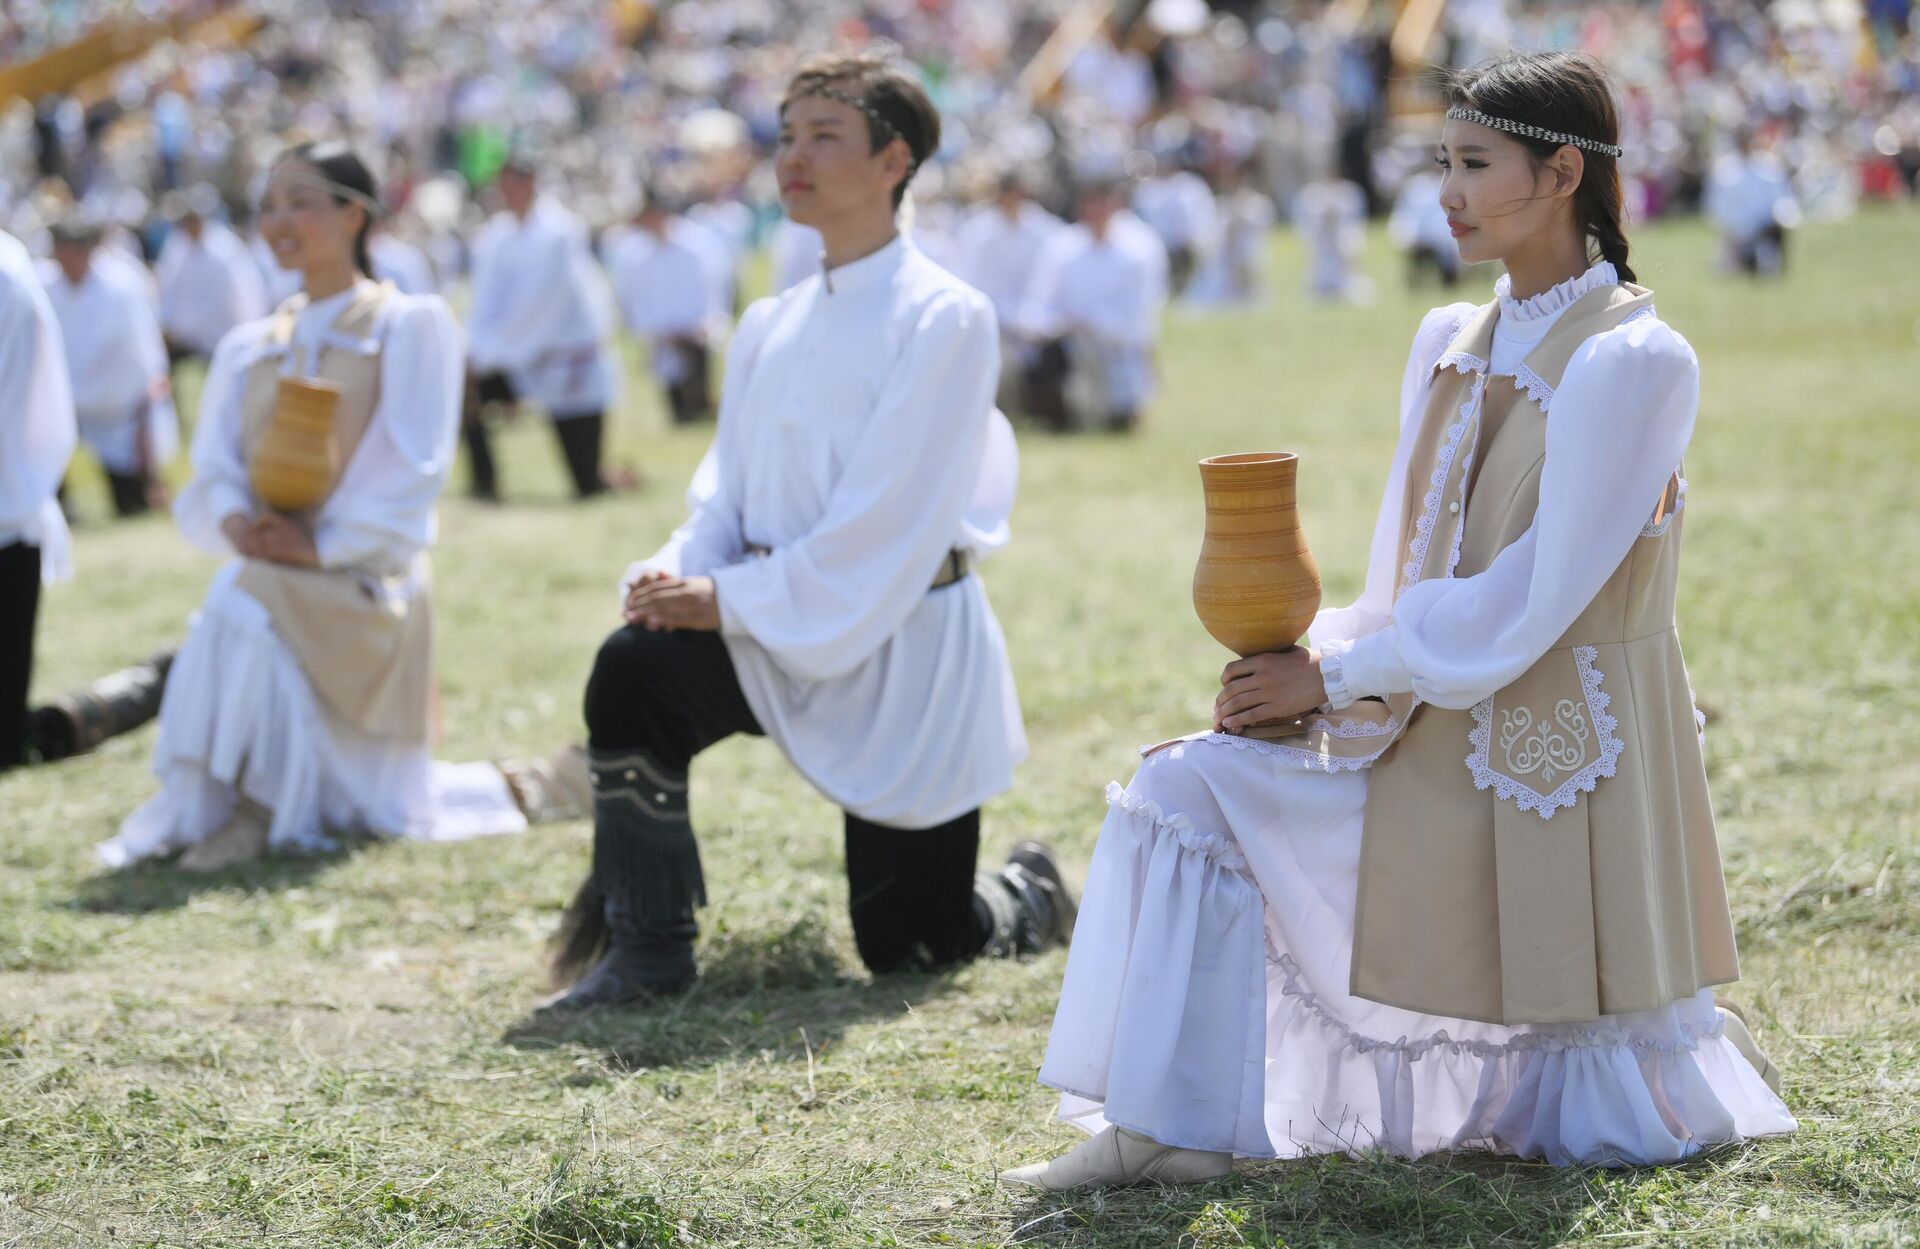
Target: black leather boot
<point x="1026" y="904"/>
<point x="115" y="704"/>
<point x="645" y="885"/>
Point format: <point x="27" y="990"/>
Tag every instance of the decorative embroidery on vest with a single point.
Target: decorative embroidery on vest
<point x="1536" y="387"/>
<point x="1461" y="361"/>
<point x="1430" y="506"/>
<point x="1638" y="314"/>
<point x="1535" y="743"/>
<point x="1659" y="530"/>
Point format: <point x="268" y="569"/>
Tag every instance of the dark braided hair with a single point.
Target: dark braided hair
<point x="1567" y="92"/>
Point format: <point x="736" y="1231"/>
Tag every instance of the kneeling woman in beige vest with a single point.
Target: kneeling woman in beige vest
<point x="1478" y="904"/>
<point x="299" y="702"/>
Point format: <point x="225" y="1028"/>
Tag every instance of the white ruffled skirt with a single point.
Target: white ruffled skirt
<point x="240" y="718"/>
<point x="1205" y="1001"/>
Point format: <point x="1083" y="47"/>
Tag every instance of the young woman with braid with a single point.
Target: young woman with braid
<point x="1478" y="904"/>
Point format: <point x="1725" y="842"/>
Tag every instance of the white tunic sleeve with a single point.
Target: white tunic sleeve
<point x="710" y="537"/>
<point x="822" y="605"/>
<point x="381" y="514"/>
<point x="37" y="431"/>
<point x="1619" y="423"/>
<point x="1337" y="628"/>
<point x="219" y="486"/>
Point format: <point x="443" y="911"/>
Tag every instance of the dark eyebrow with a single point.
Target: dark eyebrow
<point x="1465" y="148"/>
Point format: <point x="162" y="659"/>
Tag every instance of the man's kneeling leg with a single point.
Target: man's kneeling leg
<point x="919" y="904"/>
<point x="654" y="701"/>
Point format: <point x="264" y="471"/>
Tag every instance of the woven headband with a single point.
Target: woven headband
<point x="1478" y="118"/>
<point x="887" y="128"/>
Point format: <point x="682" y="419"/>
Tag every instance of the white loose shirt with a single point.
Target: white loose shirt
<point x="998" y="255"/>
<point x="117" y="363"/>
<point x="1621" y="418"/>
<point x="381" y="514"/>
<point x="663" y="285"/>
<point x="403" y="264"/>
<point x="36" y="413"/>
<point x="1113" y="287"/>
<point x="207" y="286"/>
<point x="542" y="311"/>
<point x="859" y="443"/>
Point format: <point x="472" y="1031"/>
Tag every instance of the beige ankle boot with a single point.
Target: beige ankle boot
<point x="1117" y="1156"/>
<point x="1735" y="1022"/>
<point x="242" y="839"/>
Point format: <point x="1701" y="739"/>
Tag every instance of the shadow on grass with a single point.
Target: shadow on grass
<point x="157" y="885"/>
<point x="1376" y="1202"/>
<point x="757" y="991"/>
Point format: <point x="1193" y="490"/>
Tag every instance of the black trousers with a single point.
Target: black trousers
<point x="910" y="890"/>
<point x="579" y="436"/>
<point x="19" y="606"/>
<point x="691" y="398"/>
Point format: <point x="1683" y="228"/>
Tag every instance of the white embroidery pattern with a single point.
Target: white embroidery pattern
<point x="1436" y="487"/>
<point x="1545" y="748"/>
<point x="1659" y="530"/>
<point x="1353" y="728"/>
<point x="1638" y="314"/>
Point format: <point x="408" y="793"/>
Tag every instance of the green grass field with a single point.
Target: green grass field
<point x="324" y="1052"/>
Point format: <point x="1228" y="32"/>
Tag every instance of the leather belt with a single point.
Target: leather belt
<point x="955" y="566"/>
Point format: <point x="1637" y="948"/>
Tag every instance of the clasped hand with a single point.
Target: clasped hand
<point x="273" y="537"/>
<point x="659" y="601"/>
<point x="1283" y="685"/>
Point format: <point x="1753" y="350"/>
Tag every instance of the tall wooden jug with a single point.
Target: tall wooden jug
<point x="1256" y="586"/>
<point x="296" y="460"/>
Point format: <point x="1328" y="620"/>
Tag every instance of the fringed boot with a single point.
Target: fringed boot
<point x="634" y="917"/>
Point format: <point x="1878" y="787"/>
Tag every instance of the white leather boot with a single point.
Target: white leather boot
<point x="1734" y="1021"/>
<point x="1117" y="1156"/>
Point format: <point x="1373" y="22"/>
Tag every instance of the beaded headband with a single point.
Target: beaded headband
<point x="887" y="128"/>
<point x="1478" y="118"/>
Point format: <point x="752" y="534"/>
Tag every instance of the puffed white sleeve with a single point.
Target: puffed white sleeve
<point x="219" y="487"/>
<point x="710" y="537"/>
<point x="382" y="512"/>
<point x="824" y="604"/>
<point x="1336" y="629"/>
<point x="1617" y="428"/>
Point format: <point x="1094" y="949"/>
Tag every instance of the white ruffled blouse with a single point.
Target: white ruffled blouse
<point x="1617" y="426"/>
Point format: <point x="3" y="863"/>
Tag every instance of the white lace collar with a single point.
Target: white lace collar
<point x="1556" y="300"/>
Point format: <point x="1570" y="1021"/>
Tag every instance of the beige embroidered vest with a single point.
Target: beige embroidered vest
<point x="364" y="641"/>
<point x="1548" y="855"/>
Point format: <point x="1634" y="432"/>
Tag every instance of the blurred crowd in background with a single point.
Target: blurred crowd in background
<point x="1269" y="96"/>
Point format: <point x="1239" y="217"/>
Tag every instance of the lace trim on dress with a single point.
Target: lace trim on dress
<point x="1548" y="302"/>
<point x="1312" y="759"/>
<point x="1436" y="486"/>
<point x="1527" y="1042"/>
<point x="1461" y="361"/>
<point x="1218" y="848"/>
<point x="1536" y="387"/>
<point x="1638" y="314"/>
<point x="1526" y="797"/>
<point x="1659" y="530"/>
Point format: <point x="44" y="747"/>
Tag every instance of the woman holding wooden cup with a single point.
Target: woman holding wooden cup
<point x="1477" y="902"/>
<point x="299" y="703"/>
